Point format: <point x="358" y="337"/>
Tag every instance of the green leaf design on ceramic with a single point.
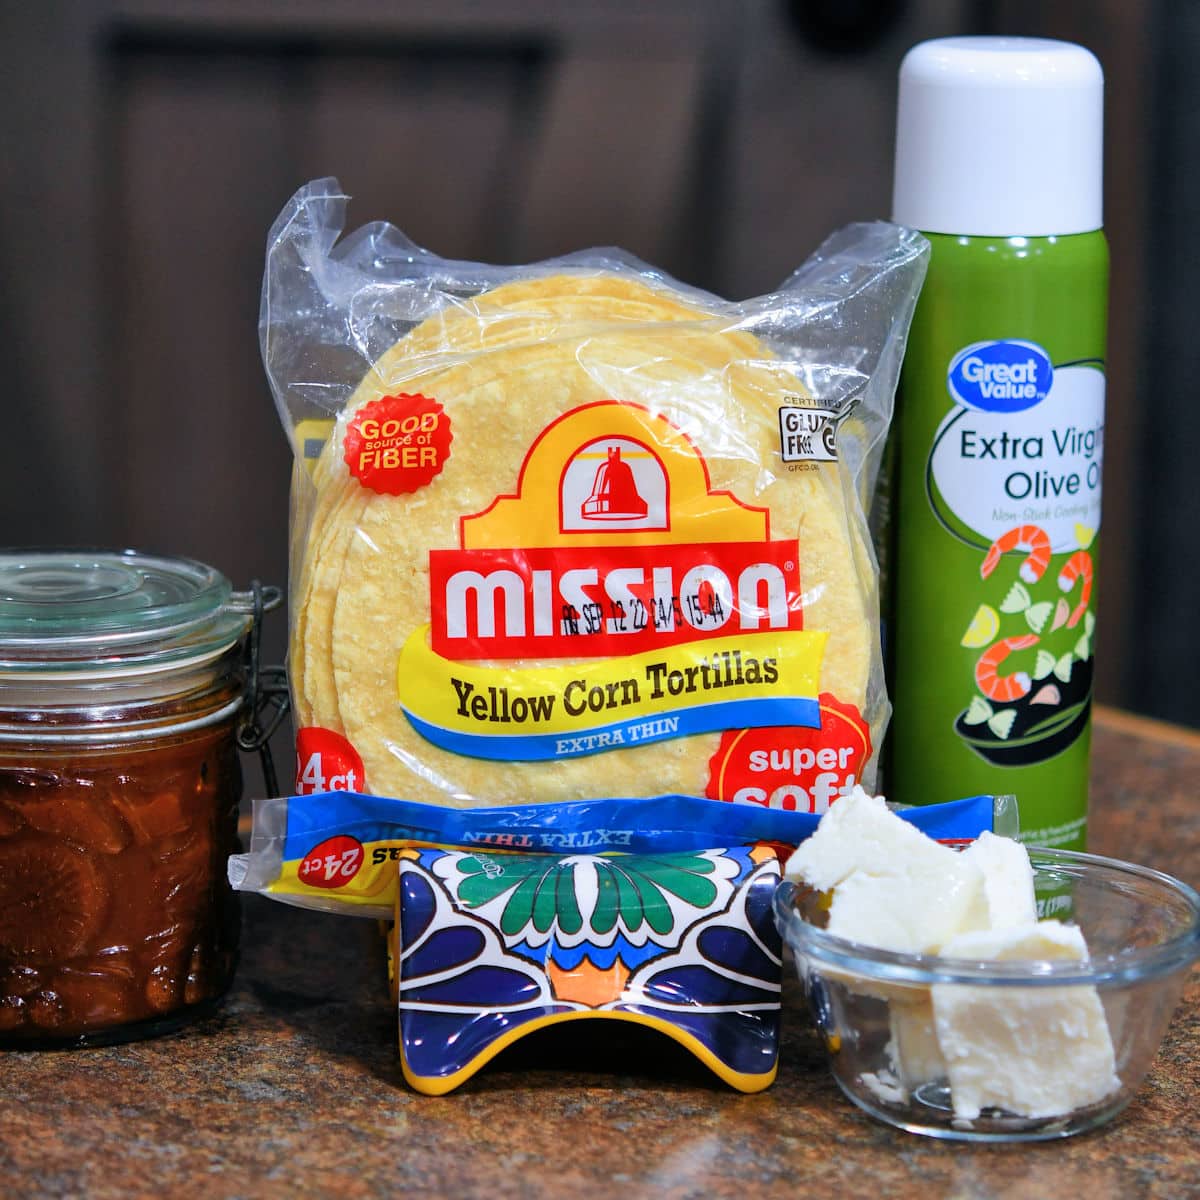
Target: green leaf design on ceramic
<point x="532" y="880"/>
<point x="608" y="909"/>
<point x="485" y="879"/>
<point x="1083" y="648"/>
<point x="1017" y="600"/>
<point x="633" y="890"/>
<point x="628" y="899"/>
<point x="570" y="919"/>
<point x="642" y="885"/>
<point x="1062" y="668"/>
<point x="520" y="911"/>
<point x="545" y="902"/>
<point x="978" y="711"/>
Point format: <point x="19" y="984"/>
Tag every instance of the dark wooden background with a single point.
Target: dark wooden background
<point x="148" y="144"/>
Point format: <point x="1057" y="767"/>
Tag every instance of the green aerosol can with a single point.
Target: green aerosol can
<point x="999" y="430"/>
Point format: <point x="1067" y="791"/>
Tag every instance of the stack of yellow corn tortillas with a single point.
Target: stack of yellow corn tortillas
<point x="694" y="405"/>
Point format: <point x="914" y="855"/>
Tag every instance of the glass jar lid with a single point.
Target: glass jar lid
<point x="86" y="611"/>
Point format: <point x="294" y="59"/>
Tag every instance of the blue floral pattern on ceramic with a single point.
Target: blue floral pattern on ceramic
<point x="492" y="946"/>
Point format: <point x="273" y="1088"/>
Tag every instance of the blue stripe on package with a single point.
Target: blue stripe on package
<point x="339" y="851"/>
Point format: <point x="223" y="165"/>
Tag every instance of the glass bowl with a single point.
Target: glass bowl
<point x="902" y="1029"/>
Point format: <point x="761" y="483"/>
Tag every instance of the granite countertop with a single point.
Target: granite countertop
<point x="294" y="1087"/>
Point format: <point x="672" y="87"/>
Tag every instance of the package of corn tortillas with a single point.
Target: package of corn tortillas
<point x="573" y="529"/>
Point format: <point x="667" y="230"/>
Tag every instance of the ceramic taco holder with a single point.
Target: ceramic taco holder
<point x="490" y="947"/>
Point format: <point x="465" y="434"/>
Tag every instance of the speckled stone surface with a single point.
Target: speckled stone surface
<point x="294" y="1087"/>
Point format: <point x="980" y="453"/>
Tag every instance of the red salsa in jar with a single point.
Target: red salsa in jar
<point x="121" y="691"/>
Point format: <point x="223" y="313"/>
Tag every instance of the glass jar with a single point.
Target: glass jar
<point x="121" y="691"/>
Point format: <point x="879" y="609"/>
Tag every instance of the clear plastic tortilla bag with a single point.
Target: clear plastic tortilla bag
<point x="573" y="529"/>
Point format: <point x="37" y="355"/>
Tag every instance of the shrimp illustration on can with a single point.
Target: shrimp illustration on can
<point x="1032" y="539"/>
<point x="1026" y="715"/>
<point x="1003" y="689"/>
<point x="1078" y="566"/>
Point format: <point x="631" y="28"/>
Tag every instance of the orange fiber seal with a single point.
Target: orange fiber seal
<point x="398" y="444"/>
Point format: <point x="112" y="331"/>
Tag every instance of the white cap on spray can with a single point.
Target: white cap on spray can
<point x="999" y="137"/>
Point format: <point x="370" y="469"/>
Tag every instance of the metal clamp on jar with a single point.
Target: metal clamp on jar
<point x="123" y="688"/>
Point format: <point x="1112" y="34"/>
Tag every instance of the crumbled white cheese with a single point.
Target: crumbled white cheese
<point x="892" y="886"/>
<point x="914" y="1050"/>
<point x="1007" y="880"/>
<point x="1032" y="1051"/>
<point x="1035" y="1052"/>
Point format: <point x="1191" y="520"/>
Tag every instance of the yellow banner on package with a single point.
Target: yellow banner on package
<point x="536" y="714"/>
